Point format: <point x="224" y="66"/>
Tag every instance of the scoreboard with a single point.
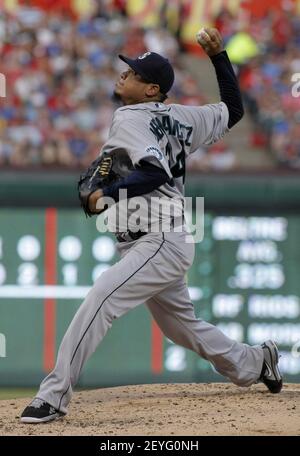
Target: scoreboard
<point x="248" y="267"/>
<point x="245" y="279"/>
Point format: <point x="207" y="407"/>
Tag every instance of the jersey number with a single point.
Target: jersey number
<point x="178" y="169"/>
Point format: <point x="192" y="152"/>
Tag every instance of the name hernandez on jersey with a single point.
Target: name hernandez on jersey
<point x="164" y="135"/>
<point x="166" y="124"/>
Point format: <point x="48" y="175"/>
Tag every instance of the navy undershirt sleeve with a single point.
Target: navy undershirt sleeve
<point x="144" y="179"/>
<point x="229" y="87"/>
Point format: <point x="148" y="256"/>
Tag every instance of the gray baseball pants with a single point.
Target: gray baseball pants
<point x="151" y="270"/>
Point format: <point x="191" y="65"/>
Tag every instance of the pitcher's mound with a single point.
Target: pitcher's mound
<point x="168" y="409"/>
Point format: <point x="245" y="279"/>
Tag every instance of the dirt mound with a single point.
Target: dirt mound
<point x="168" y="409"/>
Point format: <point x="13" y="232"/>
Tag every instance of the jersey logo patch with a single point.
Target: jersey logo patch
<point x="141" y="57"/>
<point x="152" y="150"/>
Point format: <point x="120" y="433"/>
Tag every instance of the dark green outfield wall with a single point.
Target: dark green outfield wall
<point x="229" y="191"/>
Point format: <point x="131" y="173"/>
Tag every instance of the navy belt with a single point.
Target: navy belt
<point x="130" y="236"/>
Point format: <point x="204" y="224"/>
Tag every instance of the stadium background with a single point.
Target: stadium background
<point x="59" y="66"/>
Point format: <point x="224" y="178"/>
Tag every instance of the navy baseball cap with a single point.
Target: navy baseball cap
<point x="153" y="67"/>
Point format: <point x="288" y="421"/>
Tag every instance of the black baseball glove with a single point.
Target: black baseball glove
<point x="98" y="175"/>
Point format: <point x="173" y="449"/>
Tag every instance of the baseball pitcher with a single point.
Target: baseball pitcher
<point x="144" y="158"/>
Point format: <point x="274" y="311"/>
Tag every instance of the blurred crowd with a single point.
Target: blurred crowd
<point x="267" y="55"/>
<point x="60" y="77"/>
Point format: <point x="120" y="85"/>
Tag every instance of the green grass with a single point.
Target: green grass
<point x="15" y="393"/>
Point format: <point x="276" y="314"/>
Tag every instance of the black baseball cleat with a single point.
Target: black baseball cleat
<point x="39" y="411"/>
<point x="270" y="374"/>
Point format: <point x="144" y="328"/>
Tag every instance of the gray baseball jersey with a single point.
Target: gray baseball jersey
<point x="152" y="269"/>
<point x="164" y="135"/>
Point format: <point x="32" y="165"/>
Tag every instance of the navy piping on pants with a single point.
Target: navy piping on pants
<point x="102" y="305"/>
